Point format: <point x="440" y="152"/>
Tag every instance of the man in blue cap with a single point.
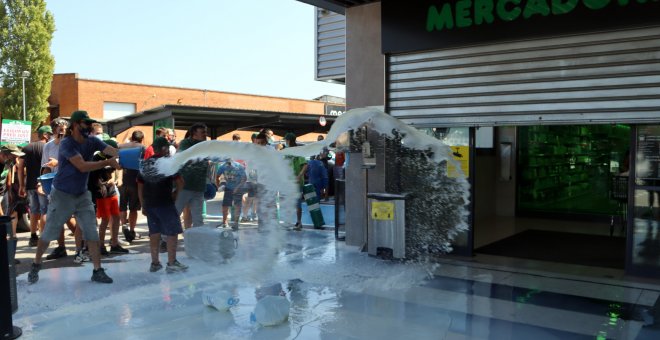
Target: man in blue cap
<point x="69" y="194"/>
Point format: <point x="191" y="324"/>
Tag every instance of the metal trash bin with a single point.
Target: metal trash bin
<point x="386" y="234"/>
<point x="8" y="293"/>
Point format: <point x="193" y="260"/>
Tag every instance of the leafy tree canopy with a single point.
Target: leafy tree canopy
<point x="26" y="31"/>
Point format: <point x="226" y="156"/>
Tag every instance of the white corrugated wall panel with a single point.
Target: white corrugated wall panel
<point x="330" y="46"/>
<point x="609" y="77"/>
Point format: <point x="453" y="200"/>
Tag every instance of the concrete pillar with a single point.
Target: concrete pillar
<point x="365" y="86"/>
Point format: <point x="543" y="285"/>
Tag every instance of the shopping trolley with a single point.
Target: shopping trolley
<point x="619" y="193"/>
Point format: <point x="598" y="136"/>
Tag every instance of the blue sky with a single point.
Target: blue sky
<point x="261" y="47"/>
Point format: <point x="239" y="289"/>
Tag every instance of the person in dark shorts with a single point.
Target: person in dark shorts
<point x="157" y="197"/>
<point x="250" y="203"/>
<point x="29" y="169"/>
<point x="234" y="179"/>
<point x="129" y="202"/>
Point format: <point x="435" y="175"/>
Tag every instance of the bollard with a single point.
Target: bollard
<point x="7" y="285"/>
<point x="313" y="206"/>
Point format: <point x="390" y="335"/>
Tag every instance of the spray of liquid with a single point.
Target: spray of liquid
<point x="425" y="158"/>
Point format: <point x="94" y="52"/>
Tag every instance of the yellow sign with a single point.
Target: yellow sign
<point x="461" y="154"/>
<point x="382" y="211"/>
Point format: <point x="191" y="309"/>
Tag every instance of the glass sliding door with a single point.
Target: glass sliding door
<point x="644" y="206"/>
<point x="461" y="140"/>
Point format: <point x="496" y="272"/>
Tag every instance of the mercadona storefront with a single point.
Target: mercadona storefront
<point x="559" y="104"/>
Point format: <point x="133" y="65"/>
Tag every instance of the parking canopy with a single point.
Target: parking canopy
<point x="223" y="120"/>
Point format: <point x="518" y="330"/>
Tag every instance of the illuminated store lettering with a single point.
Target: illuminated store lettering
<point x="559" y="7"/>
<point x="466" y="13"/>
<point x="508" y="15"/>
<point x="483" y="11"/>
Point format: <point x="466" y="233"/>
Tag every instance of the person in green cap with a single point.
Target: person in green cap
<point x="69" y="194"/>
<point x="28" y="170"/>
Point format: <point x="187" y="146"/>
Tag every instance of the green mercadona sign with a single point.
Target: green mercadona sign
<point x="432" y="24"/>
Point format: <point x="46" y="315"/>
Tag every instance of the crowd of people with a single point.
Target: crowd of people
<point x="91" y="193"/>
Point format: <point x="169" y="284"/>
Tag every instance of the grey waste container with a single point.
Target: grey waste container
<point x="386" y="234"/>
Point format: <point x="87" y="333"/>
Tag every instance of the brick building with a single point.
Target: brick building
<point x="107" y="100"/>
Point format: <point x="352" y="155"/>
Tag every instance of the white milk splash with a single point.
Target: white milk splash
<point x="381" y="122"/>
<point x="446" y="199"/>
<point x="276" y="175"/>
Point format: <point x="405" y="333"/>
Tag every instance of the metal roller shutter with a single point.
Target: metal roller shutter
<point x="330" y="46"/>
<point x="611" y="77"/>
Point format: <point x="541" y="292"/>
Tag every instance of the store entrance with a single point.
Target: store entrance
<point x="555" y="194"/>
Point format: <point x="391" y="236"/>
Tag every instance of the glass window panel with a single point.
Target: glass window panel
<point x="484" y="137"/>
<point x="646" y="211"/>
<point x="646" y="232"/>
<point x="570" y="169"/>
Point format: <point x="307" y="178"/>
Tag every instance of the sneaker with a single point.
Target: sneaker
<point x="34" y="240"/>
<point x="244" y="219"/>
<point x="99" y="275"/>
<point x="155" y="267"/>
<point x="297" y="227"/>
<point x="135" y="236"/>
<point x="104" y="251"/>
<point x="163" y="246"/>
<point x="127" y="235"/>
<point x="80" y="257"/>
<point x="224" y="225"/>
<point x="176" y="267"/>
<point x="57" y="253"/>
<point x="33" y="275"/>
<point x="118" y="250"/>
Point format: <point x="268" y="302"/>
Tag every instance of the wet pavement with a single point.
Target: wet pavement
<point x="336" y="292"/>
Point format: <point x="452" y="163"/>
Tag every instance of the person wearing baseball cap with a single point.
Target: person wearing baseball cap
<point x="45" y="132"/>
<point x="81" y="116"/>
<point x="8" y="155"/>
<point x="69" y="194"/>
<point x="12" y="149"/>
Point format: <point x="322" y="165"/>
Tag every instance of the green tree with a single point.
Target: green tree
<point x="26" y="30"/>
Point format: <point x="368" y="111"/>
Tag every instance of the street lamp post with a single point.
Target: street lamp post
<point x="24" y="75"/>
